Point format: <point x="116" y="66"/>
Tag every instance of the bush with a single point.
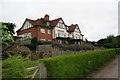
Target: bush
<point x="57" y="45"/>
<point x="78" y="47"/>
<point x="17" y="51"/>
<point x="77" y="65"/>
<point x="13" y="67"/>
<point x="37" y="55"/>
<point x="43" y="42"/>
<point x="33" y="44"/>
<point x="117" y="50"/>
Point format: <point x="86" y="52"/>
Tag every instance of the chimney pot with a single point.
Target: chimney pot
<point x="46" y="18"/>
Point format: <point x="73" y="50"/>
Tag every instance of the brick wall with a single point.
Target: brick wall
<point x="32" y="30"/>
<point x="45" y="35"/>
<point x="35" y="32"/>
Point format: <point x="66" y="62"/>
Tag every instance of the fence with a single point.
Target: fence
<point x="59" y="53"/>
<point x="44" y="47"/>
<point x="40" y="69"/>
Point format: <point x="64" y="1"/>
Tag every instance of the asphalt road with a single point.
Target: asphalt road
<point x="109" y="70"/>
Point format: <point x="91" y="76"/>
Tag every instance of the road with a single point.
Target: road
<point x="109" y="70"/>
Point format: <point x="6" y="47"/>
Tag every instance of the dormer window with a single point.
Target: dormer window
<point x="47" y="24"/>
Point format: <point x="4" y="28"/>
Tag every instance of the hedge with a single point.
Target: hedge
<point x="67" y="66"/>
<point x="77" y="65"/>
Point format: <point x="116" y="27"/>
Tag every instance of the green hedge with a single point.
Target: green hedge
<point x="67" y="66"/>
<point x="77" y="65"/>
<point x="117" y="50"/>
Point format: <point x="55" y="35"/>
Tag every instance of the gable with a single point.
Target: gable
<point x="61" y="24"/>
<point x="77" y="29"/>
<point x="26" y="25"/>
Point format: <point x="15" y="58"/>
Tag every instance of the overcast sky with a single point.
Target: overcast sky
<point x="96" y="18"/>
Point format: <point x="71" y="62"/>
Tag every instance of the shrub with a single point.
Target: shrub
<point x="13" y="67"/>
<point x="57" y="45"/>
<point x="44" y="42"/>
<point x="78" y="47"/>
<point x="37" y="55"/>
<point x="117" y="50"/>
<point x="33" y="44"/>
<point x="17" y="51"/>
<point x="77" y="65"/>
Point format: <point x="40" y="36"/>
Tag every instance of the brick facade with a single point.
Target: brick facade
<point x="35" y="32"/>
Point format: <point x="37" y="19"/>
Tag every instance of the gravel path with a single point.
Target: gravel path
<point x="109" y="70"/>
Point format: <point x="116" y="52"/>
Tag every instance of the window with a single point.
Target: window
<point x="26" y="35"/>
<point x="29" y="35"/>
<point x="61" y="25"/>
<point x="43" y="39"/>
<point x="61" y="33"/>
<point x="47" y="23"/>
<point x="77" y="36"/>
<point x="42" y="30"/>
<point x="49" y="40"/>
<point x="49" y="32"/>
<point x="77" y="29"/>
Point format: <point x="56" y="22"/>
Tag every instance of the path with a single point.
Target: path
<point x="110" y="70"/>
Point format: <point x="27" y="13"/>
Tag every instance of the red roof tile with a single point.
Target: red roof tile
<point x="71" y="28"/>
<point x="41" y="22"/>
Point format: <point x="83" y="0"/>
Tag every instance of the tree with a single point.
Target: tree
<point x="33" y="44"/>
<point x="10" y="27"/>
<point x="101" y="42"/>
<point x="5" y="35"/>
<point x="110" y="42"/>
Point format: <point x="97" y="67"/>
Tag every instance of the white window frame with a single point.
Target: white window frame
<point x="49" y="40"/>
<point x="43" y="39"/>
<point x="47" y="24"/>
<point x="49" y="31"/>
<point x="42" y="30"/>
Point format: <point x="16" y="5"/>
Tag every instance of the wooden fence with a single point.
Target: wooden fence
<point x="59" y="53"/>
<point x="40" y="69"/>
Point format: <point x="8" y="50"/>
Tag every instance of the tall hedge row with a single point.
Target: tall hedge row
<point x="67" y="66"/>
<point x="77" y="65"/>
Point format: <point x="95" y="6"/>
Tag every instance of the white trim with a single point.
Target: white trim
<point x="49" y="40"/>
<point x="43" y="39"/>
<point x="49" y="31"/>
<point x="26" y="25"/>
<point x="42" y="30"/>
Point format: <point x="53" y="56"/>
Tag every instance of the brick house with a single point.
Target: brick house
<point x="55" y="30"/>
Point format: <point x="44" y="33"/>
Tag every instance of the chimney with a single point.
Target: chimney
<point x="46" y="18"/>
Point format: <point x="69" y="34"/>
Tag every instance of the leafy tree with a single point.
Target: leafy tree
<point x="10" y="27"/>
<point x="33" y="44"/>
<point x="110" y="42"/>
<point x="101" y="42"/>
<point x="5" y="35"/>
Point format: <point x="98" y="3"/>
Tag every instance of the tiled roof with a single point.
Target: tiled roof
<point x="72" y="27"/>
<point x="41" y="22"/>
<point x="53" y="23"/>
